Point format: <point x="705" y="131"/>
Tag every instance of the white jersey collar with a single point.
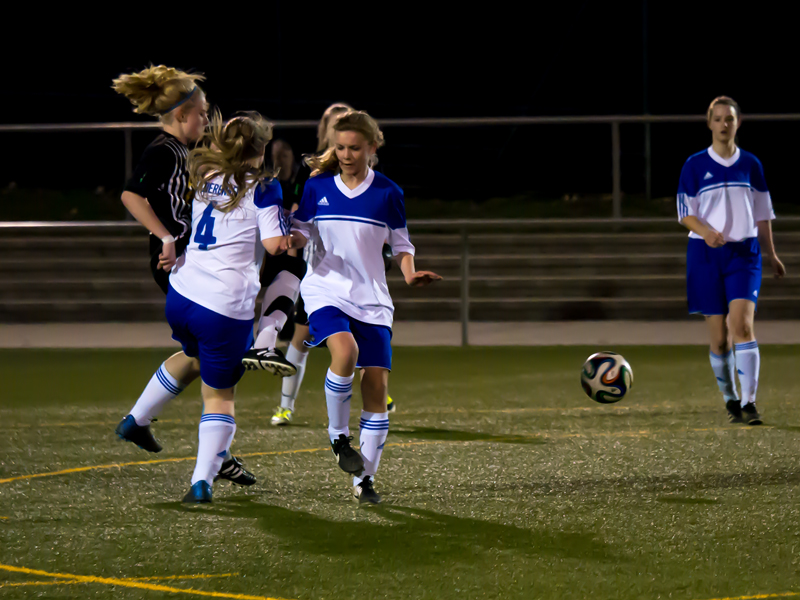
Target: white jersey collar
<point x="725" y="162"/>
<point x="360" y="189"/>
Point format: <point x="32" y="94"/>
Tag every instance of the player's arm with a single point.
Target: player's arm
<point x="688" y="208"/>
<point x="413" y="277"/>
<point x="768" y="248"/>
<point x="713" y="238"/>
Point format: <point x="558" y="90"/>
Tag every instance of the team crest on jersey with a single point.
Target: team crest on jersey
<point x="323" y="202"/>
<point x="708" y="175"/>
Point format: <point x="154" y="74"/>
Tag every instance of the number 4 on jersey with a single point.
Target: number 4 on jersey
<point x="205" y="231"/>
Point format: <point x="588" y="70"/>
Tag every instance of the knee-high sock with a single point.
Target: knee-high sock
<point x="216" y="435"/>
<point x="748" y="364"/>
<point x="724" y="367"/>
<point x="162" y="388"/>
<point x="338" y="392"/>
<point x="278" y="304"/>
<point x="374" y="429"/>
<point x="291" y="385"/>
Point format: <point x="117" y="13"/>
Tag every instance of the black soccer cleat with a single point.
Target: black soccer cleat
<point x="269" y="359"/>
<point x="734" y="411"/>
<point x="750" y="414"/>
<point x="140" y="435"/>
<point x="365" y="493"/>
<point x="348" y="459"/>
<point x="199" y="493"/>
<point x="233" y="470"/>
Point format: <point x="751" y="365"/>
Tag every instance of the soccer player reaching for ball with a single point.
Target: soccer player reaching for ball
<point x="724" y="201"/>
<point x="236" y="214"/>
<point x="350" y="211"/>
<point x="158" y="193"/>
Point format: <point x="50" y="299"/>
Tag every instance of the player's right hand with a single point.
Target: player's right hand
<point x="714" y="239"/>
<point x="167" y="258"/>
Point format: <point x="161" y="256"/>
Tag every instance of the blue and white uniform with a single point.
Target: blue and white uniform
<point x="345" y="288"/>
<point x="213" y="286"/>
<point x="730" y="195"/>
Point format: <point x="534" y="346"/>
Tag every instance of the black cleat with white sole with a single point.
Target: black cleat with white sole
<point x="269" y="359"/>
<point x="734" y="411"/>
<point x="348" y="459"/>
<point x="750" y="414"/>
<point x="233" y="470"/>
<point x="365" y="493"/>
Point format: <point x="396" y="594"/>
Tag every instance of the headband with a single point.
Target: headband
<point x="189" y="95"/>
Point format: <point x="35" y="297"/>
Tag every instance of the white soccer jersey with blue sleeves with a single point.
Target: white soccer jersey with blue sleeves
<point x="349" y="228"/>
<point x="730" y="195"/>
<point x="220" y="268"/>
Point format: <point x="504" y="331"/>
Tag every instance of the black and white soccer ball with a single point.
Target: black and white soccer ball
<point x="606" y="377"/>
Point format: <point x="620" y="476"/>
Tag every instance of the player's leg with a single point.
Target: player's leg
<point x="390" y="403"/>
<point x="277" y="306"/>
<point x="297" y="354"/>
<point x="723" y="364"/>
<point x="375" y="360"/>
<point x="169" y="380"/>
<point x="331" y="325"/>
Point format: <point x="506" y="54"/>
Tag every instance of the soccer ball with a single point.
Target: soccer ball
<point x="606" y="377"/>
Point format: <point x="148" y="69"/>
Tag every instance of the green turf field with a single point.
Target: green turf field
<point x="501" y="480"/>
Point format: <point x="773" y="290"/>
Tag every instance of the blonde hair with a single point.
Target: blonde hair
<point x="726" y="101"/>
<point x="158" y="90"/>
<point x="228" y="150"/>
<point x="322" y="128"/>
<point x="352" y="120"/>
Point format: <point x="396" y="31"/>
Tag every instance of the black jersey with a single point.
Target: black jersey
<point x="162" y="177"/>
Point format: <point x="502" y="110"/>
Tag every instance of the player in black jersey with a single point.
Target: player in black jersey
<point x="158" y="195"/>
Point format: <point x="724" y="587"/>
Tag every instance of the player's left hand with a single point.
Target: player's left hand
<point x="285" y="243"/>
<point x="167" y="258"/>
<point x="422" y="278"/>
<point x="777" y="267"/>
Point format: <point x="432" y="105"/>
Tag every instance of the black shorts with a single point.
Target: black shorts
<point x="300" y="316"/>
<point x="161" y="276"/>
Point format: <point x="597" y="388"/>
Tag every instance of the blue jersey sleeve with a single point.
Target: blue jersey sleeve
<point x="757" y="179"/>
<point x="268" y="194"/>
<point x="398" y="237"/>
<point x="302" y="219"/>
<point x="687" y="191"/>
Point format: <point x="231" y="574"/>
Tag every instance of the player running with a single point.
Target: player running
<point x="724" y="201"/>
<point x="350" y="211"/>
<point x="236" y="214"/>
<point x="158" y="194"/>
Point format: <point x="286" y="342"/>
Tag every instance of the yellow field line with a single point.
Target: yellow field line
<point x="132" y="584"/>
<point x="76" y="582"/>
<point x="760" y="596"/>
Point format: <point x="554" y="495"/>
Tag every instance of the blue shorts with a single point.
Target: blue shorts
<point x="716" y="276"/>
<point x="374" y="341"/>
<point x="218" y="341"/>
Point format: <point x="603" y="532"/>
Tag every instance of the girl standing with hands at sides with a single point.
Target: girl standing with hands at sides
<point x="158" y="194"/>
<point x="350" y="211"/>
<point x="724" y="202"/>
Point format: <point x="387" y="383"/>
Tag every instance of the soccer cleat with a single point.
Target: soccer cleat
<point x="199" y="493"/>
<point x="750" y="414"/>
<point x="282" y="416"/>
<point x="270" y="359"/>
<point x="365" y="493"/>
<point x="233" y="470"/>
<point x="734" y="411"/>
<point x="140" y="435"/>
<point x="390" y="405"/>
<point x="348" y="459"/>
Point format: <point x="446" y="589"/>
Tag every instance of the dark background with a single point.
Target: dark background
<point x="290" y="60"/>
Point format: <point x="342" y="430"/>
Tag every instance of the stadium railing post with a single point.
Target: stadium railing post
<point x="464" y="287"/>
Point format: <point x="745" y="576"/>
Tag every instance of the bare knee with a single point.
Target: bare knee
<point x="743" y="331"/>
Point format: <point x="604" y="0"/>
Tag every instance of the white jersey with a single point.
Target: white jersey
<point x="728" y="194"/>
<point x="220" y="268"/>
<point x="349" y="228"/>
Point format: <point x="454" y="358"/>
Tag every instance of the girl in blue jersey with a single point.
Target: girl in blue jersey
<point x="724" y="202"/>
<point x="236" y="215"/>
<point x="350" y="211"/>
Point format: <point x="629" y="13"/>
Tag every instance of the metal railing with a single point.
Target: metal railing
<point x="614" y="120"/>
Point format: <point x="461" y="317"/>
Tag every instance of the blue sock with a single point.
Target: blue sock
<point x="724" y="370"/>
<point x="748" y="364"/>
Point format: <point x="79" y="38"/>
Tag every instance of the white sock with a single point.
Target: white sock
<point x="277" y="304"/>
<point x="291" y="385"/>
<point x="162" y="388"/>
<point x="374" y="429"/>
<point x="748" y="363"/>
<point x="216" y="436"/>
<point x="338" y="391"/>
<point x="725" y="372"/>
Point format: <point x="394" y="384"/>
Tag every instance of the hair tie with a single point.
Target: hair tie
<point x="189" y="95"/>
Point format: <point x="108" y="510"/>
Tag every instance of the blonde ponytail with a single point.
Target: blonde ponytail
<point x="158" y="90"/>
<point x="229" y="150"/>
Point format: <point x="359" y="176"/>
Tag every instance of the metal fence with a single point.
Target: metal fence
<point x="614" y="121"/>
